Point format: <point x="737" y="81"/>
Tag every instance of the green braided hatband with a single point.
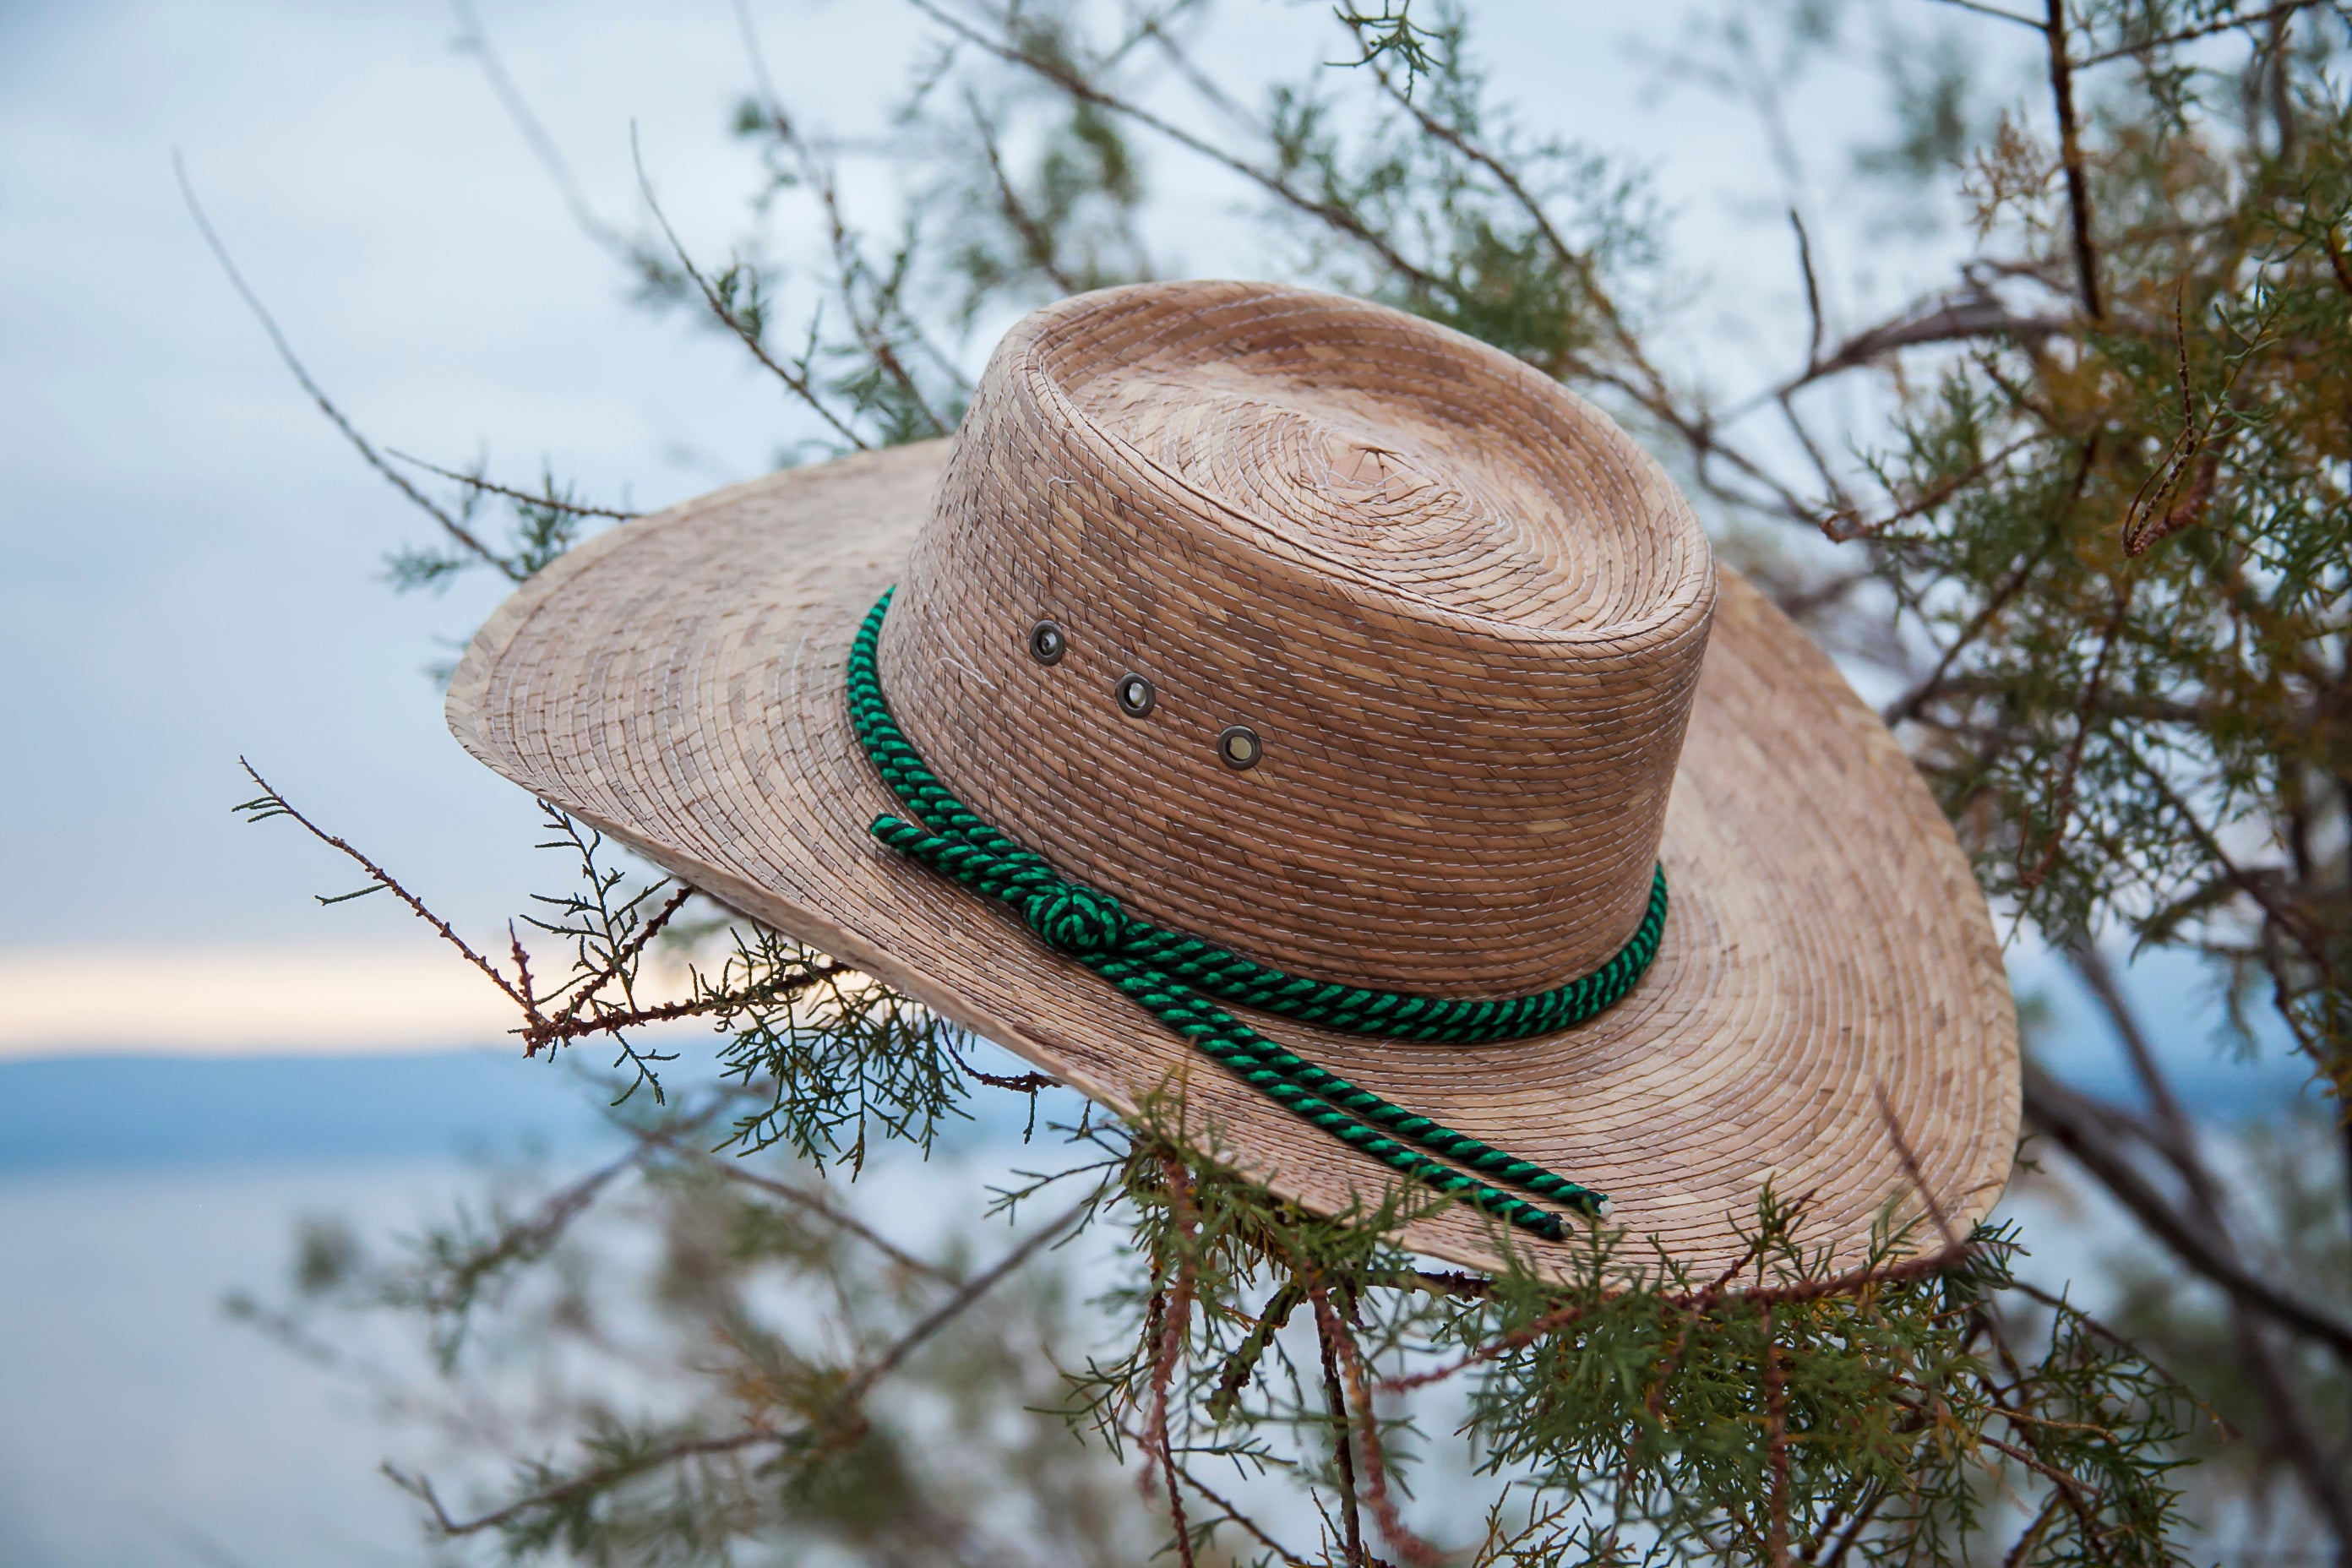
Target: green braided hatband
<point x="1166" y="972"/>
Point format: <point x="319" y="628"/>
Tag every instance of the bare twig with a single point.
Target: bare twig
<point x="848" y="264"/>
<point x="1034" y="240"/>
<point x="1289" y="1558"/>
<point x="1343" y="1459"/>
<point x="1075" y="85"/>
<point x="1646" y="385"/>
<point x="1982" y="9"/>
<point x="530" y="993"/>
<point x="2070" y="152"/>
<point x="2177" y="1137"/>
<point x="812" y="1203"/>
<point x="2277" y="13"/>
<point x="476" y="482"/>
<point x="1340" y="1345"/>
<point x="1911" y="1168"/>
<point x="614" y="1022"/>
<point x="458" y="531"/>
<point x="1959" y="316"/>
<point x="971" y="1291"/>
<point x="2070" y="1121"/>
<point x="1577" y="263"/>
<point x="475" y="40"/>
<point x="1776" y="1448"/>
<point x="1862" y="1515"/>
<point x="580" y="1486"/>
<point x="272" y="804"/>
<point x="587" y="987"/>
<point x="796" y="381"/>
<point x="2257" y="1350"/>
<point x="1812" y="290"/>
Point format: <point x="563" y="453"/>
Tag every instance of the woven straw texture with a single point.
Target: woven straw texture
<point x="1381" y="579"/>
<point x="1462" y="610"/>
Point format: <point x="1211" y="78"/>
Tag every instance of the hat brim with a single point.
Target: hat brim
<point x="1828" y="1011"/>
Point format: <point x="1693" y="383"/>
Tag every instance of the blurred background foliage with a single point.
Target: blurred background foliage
<point x="2078" y="516"/>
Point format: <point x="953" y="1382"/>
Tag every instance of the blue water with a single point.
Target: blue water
<point x="127" y="1113"/>
<point x="142" y="1113"/>
<point x="142" y="1428"/>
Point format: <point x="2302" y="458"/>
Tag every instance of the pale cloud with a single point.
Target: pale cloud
<point x="240" y="1001"/>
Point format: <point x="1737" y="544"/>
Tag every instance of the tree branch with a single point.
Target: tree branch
<point x="2070" y="148"/>
<point x="1034" y="240"/>
<point x="475" y="40"/>
<point x="851" y="1393"/>
<point x="2069" y="1119"/>
<point x="795" y="381"/>
<point x="1076" y="86"/>
<point x="272" y="804"/>
<point x="1341" y="1345"/>
<point x="476" y="481"/>
<point x="812" y="1203"/>
<point x="458" y="531"/>
<point x="2277" y="13"/>
<point x="1995" y="12"/>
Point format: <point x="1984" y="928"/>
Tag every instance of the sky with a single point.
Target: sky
<point x="193" y="556"/>
<point x="194" y="559"/>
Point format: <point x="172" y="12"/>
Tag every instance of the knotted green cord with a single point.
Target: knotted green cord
<point x="1161" y="970"/>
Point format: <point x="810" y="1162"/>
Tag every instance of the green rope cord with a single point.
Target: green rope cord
<point x="1166" y="972"/>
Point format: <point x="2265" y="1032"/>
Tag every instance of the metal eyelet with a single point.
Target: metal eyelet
<point x="1047" y="643"/>
<point x="1136" y="697"/>
<point x="1239" y="747"/>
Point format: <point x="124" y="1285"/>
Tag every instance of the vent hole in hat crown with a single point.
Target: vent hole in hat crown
<point x="1046" y="643"/>
<point x="1239" y="747"/>
<point x="1135" y="696"/>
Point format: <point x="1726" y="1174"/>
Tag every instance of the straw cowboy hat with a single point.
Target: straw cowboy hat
<point x="1280" y="707"/>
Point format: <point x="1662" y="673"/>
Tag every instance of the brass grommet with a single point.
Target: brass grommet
<point x="1134" y="695"/>
<point x="1047" y="643"/>
<point x="1239" y="747"/>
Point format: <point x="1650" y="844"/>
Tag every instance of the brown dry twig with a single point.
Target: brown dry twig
<point x="796" y="381"/>
<point x="1175" y="1317"/>
<point x="489" y="487"/>
<point x="456" y="531"/>
<point x="809" y="1202"/>
<point x="2277" y="13"/>
<point x="1776" y="1443"/>
<point x="1342" y="1346"/>
<point x="1843" y="527"/>
<point x="2070" y="153"/>
<point x="1035" y="241"/>
<point x="271" y="804"/>
<point x="587" y="987"/>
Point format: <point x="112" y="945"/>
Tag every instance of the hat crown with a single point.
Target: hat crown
<point x="1460" y="612"/>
